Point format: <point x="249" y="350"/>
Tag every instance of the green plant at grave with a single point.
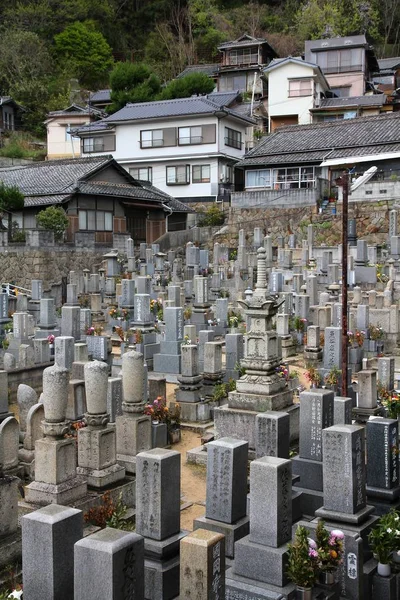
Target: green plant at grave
<point x="332" y="378"/>
<point x="5" y="343"/>
<point x="302" y="567"/>
<point x="187" y="313"/>
<point x="384" y="537"/>
<point x="58" y="312"/>
<point x="233" y="255"/>
<point x="220" y="392"/>
<point x="329" y="547"/>
<point x="231" y="385"/>
<point x="224" y="294"/>
<point x="313" y="376"/>
<point x="241" y="370"/>
<point x="391" y="403"/>
<point x="54" y="219"/>
<point x="293" y="374"/>
<point x="299" y="324"/>
<point x="380" y="275"/>
<point x="375" y="332"/>
<point x="84" y="301"/>
<point x="233" y="321"/>
<point x="8" y="327"/>
<point x="118" y="518"/>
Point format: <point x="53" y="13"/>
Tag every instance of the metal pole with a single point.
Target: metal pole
<point x="345" y="211"/>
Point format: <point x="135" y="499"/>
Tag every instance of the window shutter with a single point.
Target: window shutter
<point x="109" y="143"/>
<point x="208" y="133"/>
<point x="169" y="136"/>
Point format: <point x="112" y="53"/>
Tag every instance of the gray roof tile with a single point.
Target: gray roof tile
<point x="311" y="143"/>
<point x="389" y="63"/>
<point x="100" y="96"/>
<point x="375" y="100"/>
<point x="180" y="107"/>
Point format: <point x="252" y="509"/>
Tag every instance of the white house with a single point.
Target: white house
<point x="295" y="87"/>
<point x="185" y="147"/>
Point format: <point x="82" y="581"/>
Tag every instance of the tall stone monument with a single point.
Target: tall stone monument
<point x="260" y="389"/>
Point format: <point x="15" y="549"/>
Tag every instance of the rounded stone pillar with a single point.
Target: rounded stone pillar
<point x="55" y="399"/>
<point x="96" y="382"/>
<point x="133" y="381"/>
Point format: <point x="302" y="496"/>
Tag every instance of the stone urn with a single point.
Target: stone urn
<point x="55" y="393"/>
<point x="96" y="382"/>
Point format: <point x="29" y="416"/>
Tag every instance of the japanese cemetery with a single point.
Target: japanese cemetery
<point x="204" y="411"/>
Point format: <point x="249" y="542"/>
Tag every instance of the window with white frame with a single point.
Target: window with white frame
<point x="201" y="174"/>
<point x="189" y="135"/>
<point x="142" y="173"/>
<point x="233" y="138"/>
<point x="300" y="87"/>
<point x="95" y="220"/>
<point x="151" y="138"/>
<point x="293" y="177"/>
<point x="178" y="175"/>
<point x="258" y="178"/>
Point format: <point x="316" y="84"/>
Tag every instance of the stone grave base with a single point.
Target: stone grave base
<point x="241" y="424"/>
<point x="188" y="395"/>
<point x="262" y="563"/>
<point x="261" y="402"/>
<point x="311" y="355"/>
<point x="384" y="588"/>
<point x="161" y="567"/>
<point x="309" y="472"/>
<point x="354" y="519"/>
<point x="10" y="548"/>
<point x="26" y="459"/>
<point x="64" y="493"/>
<point x="232" y="532"/>
<point x="361" y="415"/>
<point x="243" y="588"/>
<point x="101" y="478"/>
<point x="193" y="412"/>
<point x="40" y="334"/>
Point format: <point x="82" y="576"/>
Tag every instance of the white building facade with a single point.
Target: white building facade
<point x="187" y="148"/>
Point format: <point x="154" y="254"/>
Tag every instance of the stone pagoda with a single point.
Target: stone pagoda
<point x="260" y="389"/>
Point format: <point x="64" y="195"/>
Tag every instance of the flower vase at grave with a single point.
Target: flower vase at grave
<point x="383" y="570"/>
<point x="303" y="593"/>
<point x="327" y="577"/>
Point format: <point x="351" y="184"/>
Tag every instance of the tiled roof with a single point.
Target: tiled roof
<point x="242" y="41"/>
<point x="75" y="109"/>
<point x="375" y="100"/>
<point x="100" y="96"/>
<point x="224" y="98"/>
<point x="52" y="176"/>
<point x="180" y="107"/>
<point x="312" y="143"/>
<point x="207" y="69"/>
<point x="389" y="63"/>
<point x="95" y="126"/>
<point x="55" y="181"/>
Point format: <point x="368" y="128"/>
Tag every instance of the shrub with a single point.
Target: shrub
<point x="212" y="217"/>
<point x="53" y="219"/>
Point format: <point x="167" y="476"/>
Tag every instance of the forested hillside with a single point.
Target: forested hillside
<point x="45" y="43"/>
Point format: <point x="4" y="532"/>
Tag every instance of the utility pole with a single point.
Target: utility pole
<point x="343" y="182"/>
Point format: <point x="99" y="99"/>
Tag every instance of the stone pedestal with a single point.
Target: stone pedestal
<point x="226" y="491"/>
<point x="261" y="557"/>
<point x="133" y="427"/>
<point x="97" y="460"/>
<point x="56" y="481"/>
<point x="158" y="520"/>
<point x="49" y="535"/>
<point x="109" y="564"/>
<point x="203" y="552"/>
<point x="10" y="537"/>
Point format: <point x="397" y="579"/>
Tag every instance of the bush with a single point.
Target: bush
<point x="212" y="217"/>
<point x="53" y="219"/>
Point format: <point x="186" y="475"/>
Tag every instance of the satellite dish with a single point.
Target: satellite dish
<point x="363" y="179"/>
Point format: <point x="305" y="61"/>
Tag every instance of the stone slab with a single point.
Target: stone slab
<point x="243" y="588"/>
<point x="232" y="532"/>
<point x="309" y="471"/>
<point x="260" y="562"/>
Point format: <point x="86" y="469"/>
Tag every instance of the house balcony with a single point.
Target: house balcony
<point x="282" y="198"/>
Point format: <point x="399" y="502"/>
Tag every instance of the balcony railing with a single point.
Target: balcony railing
<point x="151" y="143"/>
<point x="194" y="139"/>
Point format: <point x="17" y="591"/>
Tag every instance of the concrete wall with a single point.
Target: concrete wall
<point x="275" y="198"/>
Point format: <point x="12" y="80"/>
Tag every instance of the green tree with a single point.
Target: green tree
<point x="86" y="52"/>
<point x="10" y="199"/>
<point x="54" y="219"/>
<point x="132" y="82"/>
<point x="192" y="84"/>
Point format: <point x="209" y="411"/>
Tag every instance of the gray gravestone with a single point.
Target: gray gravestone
<point x="272" y="434"/>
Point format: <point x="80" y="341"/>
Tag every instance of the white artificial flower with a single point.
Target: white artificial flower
<point x="16" y="594"/>
<point x="397" y="532"/>
<point x="389" y="530"/>
<point x="396" y="518"/>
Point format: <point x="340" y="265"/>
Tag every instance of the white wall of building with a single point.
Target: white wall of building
<point x="279" y="101"/>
